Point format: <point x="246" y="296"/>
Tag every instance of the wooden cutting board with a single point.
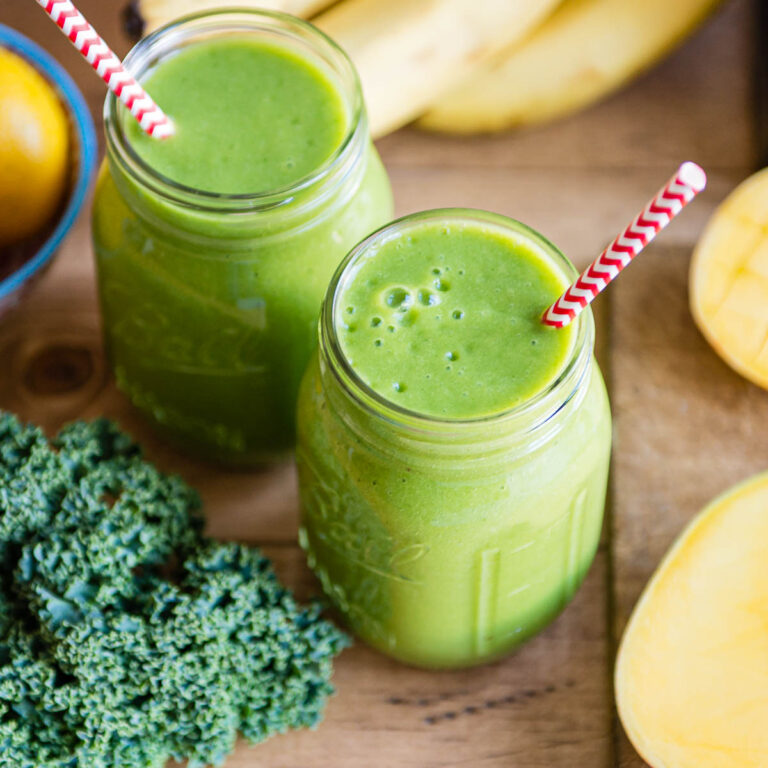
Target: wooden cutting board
<point x="686" y="427"/>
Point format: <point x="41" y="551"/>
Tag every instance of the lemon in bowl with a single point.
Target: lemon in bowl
<point x="34" y="149"/>
<point x="47" y="160"/>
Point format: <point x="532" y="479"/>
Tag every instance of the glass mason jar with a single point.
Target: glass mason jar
<point x="447" y="543"/>
<point x="210" y="301"/>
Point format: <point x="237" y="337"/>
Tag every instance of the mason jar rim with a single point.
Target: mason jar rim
<point x="533" y="411"/>
<point x="168" y="38"/>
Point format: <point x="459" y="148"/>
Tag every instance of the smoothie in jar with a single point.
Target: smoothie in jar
<point x="214" y="247"/>
<point x="453" y="450"/>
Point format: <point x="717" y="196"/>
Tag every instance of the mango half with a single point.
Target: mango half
<point x="692" y="671"/>
<point x="729" y="280"/>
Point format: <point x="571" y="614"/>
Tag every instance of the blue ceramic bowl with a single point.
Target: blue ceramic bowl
<point x="83" y="164"/>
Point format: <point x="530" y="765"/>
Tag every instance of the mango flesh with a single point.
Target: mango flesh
<point x="692" y="671"/>
<point x="729" y="280"/>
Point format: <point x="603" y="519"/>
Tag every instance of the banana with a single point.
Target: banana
<point x="148" y="15"/>
<point x="583" y="51"/>
<point x="410" y="52"/>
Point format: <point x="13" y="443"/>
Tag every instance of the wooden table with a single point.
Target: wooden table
<point x="686" y="427"/>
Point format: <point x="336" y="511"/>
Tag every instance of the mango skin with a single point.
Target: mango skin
<point x="691" y="676"/>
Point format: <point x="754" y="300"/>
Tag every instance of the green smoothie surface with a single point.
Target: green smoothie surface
<point x="250" y="116"/>
<point x="443" y="319"/>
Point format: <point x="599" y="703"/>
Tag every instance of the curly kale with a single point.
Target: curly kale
<point x="128" y="638"/>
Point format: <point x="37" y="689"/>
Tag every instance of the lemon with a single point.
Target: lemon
<point x="729" y="280"/>
<point x="34" y="147"/>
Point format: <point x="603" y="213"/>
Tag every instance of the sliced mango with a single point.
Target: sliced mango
<point x="692" y="671"/>
<point x="729" y="280"/>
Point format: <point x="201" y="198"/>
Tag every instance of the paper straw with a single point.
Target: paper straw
<point x="109" y="67"/>
<point x="689" y="180"/>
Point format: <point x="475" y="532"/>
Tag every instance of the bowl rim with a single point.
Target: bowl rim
<point x="84" y="133"/>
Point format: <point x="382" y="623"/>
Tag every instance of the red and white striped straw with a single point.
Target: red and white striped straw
<point x="689" y="180"/>
<point x="109" y="67"/>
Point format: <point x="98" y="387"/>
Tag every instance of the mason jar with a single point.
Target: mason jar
<point x="210" y="301"/>
<point x="449" y="542"/>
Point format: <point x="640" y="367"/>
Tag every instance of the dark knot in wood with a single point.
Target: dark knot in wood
<point x="59" y="370"/>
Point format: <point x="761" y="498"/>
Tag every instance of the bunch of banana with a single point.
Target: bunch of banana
<point x="471" y="66"/>
<point x="155" y="13"/>
<point x="409" y="51"/>
<point x="585" y="50"/>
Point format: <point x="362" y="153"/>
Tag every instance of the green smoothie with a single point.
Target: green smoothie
<point x="446" y="321"/>
<point x="250" y="116"/>
<point x="214" y="247"/>
<point x="453" y="451"/>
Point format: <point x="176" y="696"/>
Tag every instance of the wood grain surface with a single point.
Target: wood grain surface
<point x="686" y="427"/>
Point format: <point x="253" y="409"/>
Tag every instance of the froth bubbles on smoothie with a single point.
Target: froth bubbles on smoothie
<point x="272" y="116"/>
<point x="445" y="321"/>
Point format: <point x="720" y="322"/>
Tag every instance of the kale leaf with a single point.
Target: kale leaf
<point x="127" y="637"/>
